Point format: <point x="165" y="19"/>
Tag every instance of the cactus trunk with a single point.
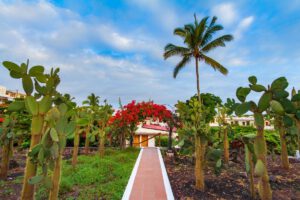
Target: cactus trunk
<point x="53" y="195"/>
<point x="76" y="147"/>
<point x="199" y="173"/>
<point x="284" y="153"/>
<point x="298" y="127"/>
<point x="87" y="141"/>
<point x="31" y="168"/>
<point x="101" y="144"/>
<point x="226" y="146"/>
<point x="264" y="188"/>
<point x="6" y="152"/>
<point x="249" y="160"/>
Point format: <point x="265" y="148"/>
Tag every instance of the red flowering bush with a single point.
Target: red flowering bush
<point x="133" y="113"/>
<point x="127" y="119"/>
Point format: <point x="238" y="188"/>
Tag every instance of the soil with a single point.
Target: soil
<point x="10" y="189"/>
<point x="232" y="183"/>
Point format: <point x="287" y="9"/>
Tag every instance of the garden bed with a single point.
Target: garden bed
<point x="93" y="178"/>
<point x="232" y="183"/>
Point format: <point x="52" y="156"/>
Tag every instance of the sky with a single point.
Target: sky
<point x="114" y="48"/>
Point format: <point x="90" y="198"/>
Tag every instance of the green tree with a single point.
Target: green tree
<point x="199" y="41"/>
<point x="195" y="118"/>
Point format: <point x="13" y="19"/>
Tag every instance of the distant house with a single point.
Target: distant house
<point x="9" y="95"/>
<point x="242" y="121"/>
<point x="146" y="133"/>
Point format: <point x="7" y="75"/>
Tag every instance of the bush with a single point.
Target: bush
<point x="163" y="141"/>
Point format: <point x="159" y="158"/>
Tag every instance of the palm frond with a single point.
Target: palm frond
<point x="214" y="64"/>
<point x="171" y="50"/>
<point x="181" y="64"/>
<point x="180" y="32"/>
<point x="209" y="34"/>
<point x="200" y="30"/>
<point x="219" y="42"/>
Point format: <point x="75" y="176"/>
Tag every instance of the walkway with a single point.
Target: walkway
<point x="149" y="179"/>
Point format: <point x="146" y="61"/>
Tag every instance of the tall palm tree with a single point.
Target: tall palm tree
<point x="198" y="40"/>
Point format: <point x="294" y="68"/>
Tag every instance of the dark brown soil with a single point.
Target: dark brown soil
<point x="10" y="189"/>
<point x="232" y="183"/>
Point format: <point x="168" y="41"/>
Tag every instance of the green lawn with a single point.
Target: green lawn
<point x="95" y="177"/>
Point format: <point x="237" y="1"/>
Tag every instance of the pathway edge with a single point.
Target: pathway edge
<point x="129" y="186"/>
<point x="167" y="184"/>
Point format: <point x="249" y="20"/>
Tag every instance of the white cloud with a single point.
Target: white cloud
<point x="243" y="26"/>
<point x="226" y="13"/>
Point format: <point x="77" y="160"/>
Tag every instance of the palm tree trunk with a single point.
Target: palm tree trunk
<point x="198" y="81"/>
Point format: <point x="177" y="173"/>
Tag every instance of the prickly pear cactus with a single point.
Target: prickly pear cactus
<point x="40" y="88"/>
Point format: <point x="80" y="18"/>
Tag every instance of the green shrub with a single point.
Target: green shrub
<point x="163" y="141"/>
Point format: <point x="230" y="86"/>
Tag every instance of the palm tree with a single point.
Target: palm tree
<point x="93" y="100"/>
<point x="198" y="40"/>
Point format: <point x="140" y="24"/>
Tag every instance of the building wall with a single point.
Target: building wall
<point x="151" y="142"/>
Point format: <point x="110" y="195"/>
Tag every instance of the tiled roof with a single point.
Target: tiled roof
<point x="157" y="127"/>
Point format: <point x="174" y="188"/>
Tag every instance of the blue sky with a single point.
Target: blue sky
<point x="114" y="48"/>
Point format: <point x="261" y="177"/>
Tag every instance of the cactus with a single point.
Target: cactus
<point x="81" y="121"/>
<point x="6" y="136"/>
<point x="15" y="126"/>
<point x="260" y="147"/>
<point x="37" y="105"/>
<point x="103" y="114"/>
<point x="296" y="102"/>
<point x="250" y="159"/>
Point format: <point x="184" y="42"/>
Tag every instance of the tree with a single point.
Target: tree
<point x="195" y="118"/>
<point x="37" y="104"/>
<point x="198" y="40"/>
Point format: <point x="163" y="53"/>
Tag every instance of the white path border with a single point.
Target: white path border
<point x="128" y="189"/>
<point x="168" y="188"/>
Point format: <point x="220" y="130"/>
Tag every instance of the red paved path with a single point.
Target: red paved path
<point x="148" y="183"/>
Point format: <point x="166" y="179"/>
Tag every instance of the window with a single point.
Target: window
<point x="248" y="123"/>
<point x="244" y="123"/>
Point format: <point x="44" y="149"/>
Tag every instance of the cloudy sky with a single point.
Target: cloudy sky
<point x="114" y="48"/>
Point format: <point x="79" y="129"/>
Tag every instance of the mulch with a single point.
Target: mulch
<point x="232" y="182"/>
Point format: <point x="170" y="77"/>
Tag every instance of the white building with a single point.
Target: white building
<point x="147" y="132"/>
<point x="9" y="95"/>
<point x="242" y="121"/>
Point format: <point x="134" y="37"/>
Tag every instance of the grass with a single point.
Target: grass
<point x="95" y="177"/>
